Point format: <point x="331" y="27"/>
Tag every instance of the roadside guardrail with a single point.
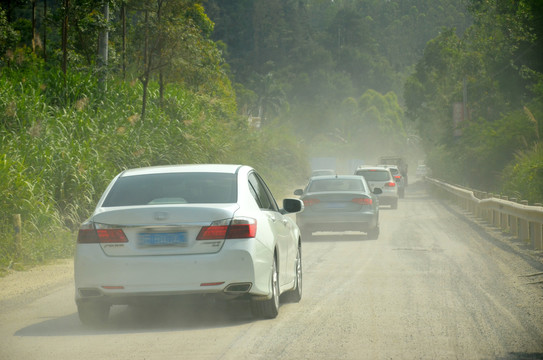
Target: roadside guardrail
<point x="523" y="221"/>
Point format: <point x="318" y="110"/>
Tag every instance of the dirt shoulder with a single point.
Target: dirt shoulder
<point x="19" y="287"/>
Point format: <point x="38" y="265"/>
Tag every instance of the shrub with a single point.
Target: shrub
<point x="523" y="178"/>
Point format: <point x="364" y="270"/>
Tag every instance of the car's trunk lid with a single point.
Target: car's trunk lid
<point x="162" y="230"/>
<point x="336" y="202"/>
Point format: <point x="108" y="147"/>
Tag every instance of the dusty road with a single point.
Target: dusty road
<point x="432" y="287"/>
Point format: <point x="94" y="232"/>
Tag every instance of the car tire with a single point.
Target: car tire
<point x="93" y="313"/>
<point x="373" y="234"/>
<point x="295" y="295"/>
<point x="269" y="308"/>
<point x="394" y="205"/>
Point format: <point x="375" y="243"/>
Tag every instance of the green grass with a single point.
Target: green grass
<point x="60" y="149"/>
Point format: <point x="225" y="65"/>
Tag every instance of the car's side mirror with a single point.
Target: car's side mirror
<point x="298" y="192"/>
<point x="377" y="191"/>
<point x="293" y="205"/>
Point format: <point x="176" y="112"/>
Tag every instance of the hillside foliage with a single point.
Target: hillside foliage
<point x="433" y="57"/>
<point x="495" y="68"/>
<point x="65" y="135"/>
<point x="91" y="87"/>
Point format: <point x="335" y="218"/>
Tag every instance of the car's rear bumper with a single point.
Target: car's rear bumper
<point x="240" y="267"/>
<point x="388" y="199"/>
<point x="337" y="222"/>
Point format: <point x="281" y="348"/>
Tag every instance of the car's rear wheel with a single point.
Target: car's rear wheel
<point x="295" y="295"/>
<point x="373" y="234"/>
<point x="93" y="313"/>
<point x="269" y="308"/>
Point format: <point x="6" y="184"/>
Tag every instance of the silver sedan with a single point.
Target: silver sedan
<point x="339" y="203"/>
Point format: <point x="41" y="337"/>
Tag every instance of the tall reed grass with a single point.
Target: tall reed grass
<point x="59" y="149"/>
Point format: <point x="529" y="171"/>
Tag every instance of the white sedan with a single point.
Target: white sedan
<point x="188" y="229"/>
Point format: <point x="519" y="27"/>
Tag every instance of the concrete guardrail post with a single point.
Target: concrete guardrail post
<point x="513" y="223"/>
<point x="505" y="217"/>
<point x="524" y="233"/>
<point x="537" y="236"/>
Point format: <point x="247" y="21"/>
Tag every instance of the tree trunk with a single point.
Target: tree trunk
<point x="161" y="88"/>
<point x="65" y="36"/>
<point x="160" y="75"/>
<point x="65" y="43"/>
<point x="34" y="26"/>
<point x="45" y="30"/>
<point x="146" y="66"/>
<point x="145" y="83"/>
<point x="123" y="17"/>
<point x="103" y="45"/>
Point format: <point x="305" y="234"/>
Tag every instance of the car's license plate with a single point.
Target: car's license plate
<point x="163" y="239"/>
<point x="335" y="205"/>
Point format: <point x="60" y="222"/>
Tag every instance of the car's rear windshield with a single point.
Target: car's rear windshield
<point x="374" y="175"/>
<point x="173" y="188"/>
<point x="324" y="185"/>
<point x="394" y="171"/>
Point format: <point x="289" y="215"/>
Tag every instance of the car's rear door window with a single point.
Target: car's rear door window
<point x="261" y="193"/>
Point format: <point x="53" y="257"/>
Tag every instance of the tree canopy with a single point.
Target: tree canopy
<point x="89" y="87"/>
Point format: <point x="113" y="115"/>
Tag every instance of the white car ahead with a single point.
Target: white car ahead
<point x="380" y="177"/>
<point x="186" y="229"/>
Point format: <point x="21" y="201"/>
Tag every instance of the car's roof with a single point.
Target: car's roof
<point x="208" y="168"/>
<point x="330" y="177"/>
<point x="372" y="168"/>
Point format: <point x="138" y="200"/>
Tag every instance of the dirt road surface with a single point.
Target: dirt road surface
<point x="433" y="286"/>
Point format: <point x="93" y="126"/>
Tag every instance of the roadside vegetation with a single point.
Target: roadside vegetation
<point x="64" y="136"/>
<point x="92" y="87"/>
<point x="477" y="100"/>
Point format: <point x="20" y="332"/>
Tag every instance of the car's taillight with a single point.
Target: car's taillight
<point x="89" y="235"/>
<point x="310" y="202"/>
<point x="238" y="228"/>
<point x="397" y="177"/>
<point x="362" y="201"/>
<point x="241" y="229"/>
<point x="111" y="236"/>
<point x="390" y="184"/>
<point x="212" y="232"/>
